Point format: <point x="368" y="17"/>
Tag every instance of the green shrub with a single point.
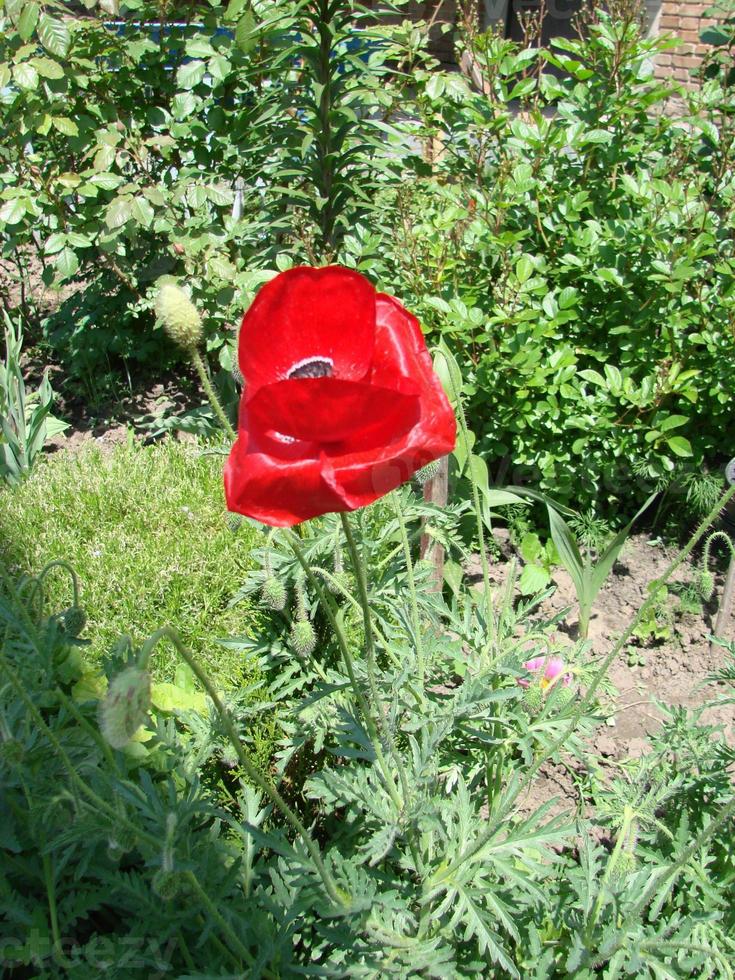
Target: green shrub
<point x="578" y="258"/>
<point x="146" y="530"/>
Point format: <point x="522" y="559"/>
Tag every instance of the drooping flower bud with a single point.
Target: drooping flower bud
<point x="303" y="637"/>
<point x="73" y="620"/>
<point x="706" y="584"/>
<point x="179" y="316"/>
<point x="125" y="706"/>
<point x="273" y="594"/>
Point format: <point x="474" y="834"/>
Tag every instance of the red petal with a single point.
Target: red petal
<point x="400" y="348"/>
<point x="303" y="314"/>
<point x="327" y="410"/>
<point x="276" y="491"/>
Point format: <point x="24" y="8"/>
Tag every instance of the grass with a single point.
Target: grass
<point x="145" y="528"/>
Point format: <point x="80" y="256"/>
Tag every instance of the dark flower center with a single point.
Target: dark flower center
<point x="315" y="367"/>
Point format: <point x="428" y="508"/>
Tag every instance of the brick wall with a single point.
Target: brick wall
<point x="685" y="19"/>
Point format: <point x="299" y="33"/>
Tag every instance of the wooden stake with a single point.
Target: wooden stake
<point x="435" y="492"/>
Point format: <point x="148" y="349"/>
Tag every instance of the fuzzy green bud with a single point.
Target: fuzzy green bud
<point x="273" y="594"/>
<point x="533" y="698"/>
<point x="121" y="842"/>
<point x="706" y="584"/>
<point x="561" y="695"/>
<point x="428" y="472"/>
<point x="168" y="884"/>
<point x="73" y="620"/>
<point x="303" y="637"/>
<point x="125" y="706"/>
<point x="179" y="316"/>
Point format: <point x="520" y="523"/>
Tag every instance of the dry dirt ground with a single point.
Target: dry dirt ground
<point x="671" y="669"/>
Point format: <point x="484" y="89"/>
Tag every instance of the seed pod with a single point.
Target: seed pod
<point x="303" y="637"/>
<point x="562" y="695"/>
<point x="125" y="706"/>
<point x="179" y="316"/>
<point x="273" y="594"/>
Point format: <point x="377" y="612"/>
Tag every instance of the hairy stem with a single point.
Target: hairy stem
<point x="265" y="785"/>
<point x="198" y="361"/>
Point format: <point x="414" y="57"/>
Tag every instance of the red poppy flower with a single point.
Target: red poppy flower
<point x="341" y="403"/>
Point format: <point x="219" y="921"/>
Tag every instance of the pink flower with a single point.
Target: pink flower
<point x="552" y="667"/>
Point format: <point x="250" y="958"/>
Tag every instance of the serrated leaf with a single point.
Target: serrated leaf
<point x="13" y="211"/>
<point x="104" y="158"/>
<point x="119" y="212"/>
<point x="65" y="125"/>
<point x="67" y="263"/>
<point x="48" y="68"/>
<point x="25" y="75"/>
<point x="54" y="35"/>
<point x="28" y="20"/>
<point x="245" y="32"/>
<point x="533" y="579"/>
<point x="142" y="212"/>
<point x="190" y="74"/>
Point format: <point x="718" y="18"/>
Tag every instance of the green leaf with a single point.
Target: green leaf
<point x="13" y="211"/>
<point x="170" y="698"/>
<point x="119" y="212"/>
<point x="48" y="68"/>
<point x="190" y="74"/>
<point x="28" y="20"/>
<point x="524" y="269"/>
<point x="67" y="263"/>
<point x="65" y="125"/>
<point x="533" y="579"/>
<point x="569" y="554"/>
<point x="104" y="158"/>
<point x="54" y="35"/>
<point x="672" y="422"/>
<point x="245" y="32"/>
<point x="449" y="373"/>
<point x="25" y="75"/>
<point x="142" y="212"/>
<point x="680" y="446"/>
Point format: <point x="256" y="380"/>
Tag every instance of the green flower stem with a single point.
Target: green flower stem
<point x="37" y="583"/>
<point x="474" y="848"/>
<point x="476" y="506"/>
<point x="420" y="662"/>
<point x="198" y="361"/>
<point x="235" y="943"/>
<point x="623" y="837"/>
<point x="263" y="784"/>
<point x="358" y="566"/>
<point x="331" y="612"/>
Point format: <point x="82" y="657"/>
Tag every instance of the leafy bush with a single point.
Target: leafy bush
<point x="187" y="145"/>
<point x="577" y="257"/>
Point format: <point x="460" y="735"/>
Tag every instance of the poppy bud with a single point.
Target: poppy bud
<point x="303" y="637"/>
<point x="229" y="757"/>
<point x="125" y="706"/>
<point x="73" y="620"/>
<point x="706" y="584"/>
<point x="168" y="884"/>
<point x="273" y="594"/>
<point x="234" y="522"/>
<point x="179" y="316"/>
<point x="562" y="695"/>
<point x="533" y="698"/>
<point x="121" y="842"/>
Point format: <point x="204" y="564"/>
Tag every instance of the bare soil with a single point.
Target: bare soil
<point x="671" y="669"/>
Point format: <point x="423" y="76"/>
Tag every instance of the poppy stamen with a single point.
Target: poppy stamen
<point x="312" y="367"/>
